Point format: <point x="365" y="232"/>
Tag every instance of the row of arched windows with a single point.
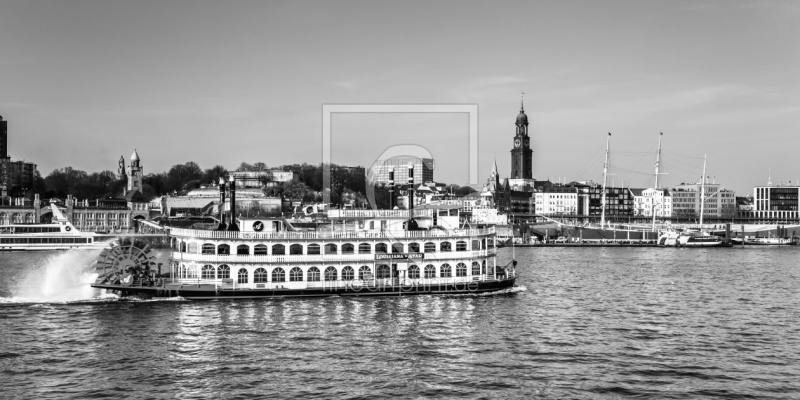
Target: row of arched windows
<point x="16" y="218"/>
<point x="348" y="273"/>
<point x="330" y="248"/>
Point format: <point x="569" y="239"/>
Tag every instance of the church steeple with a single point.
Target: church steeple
<point x="521" y="153"/>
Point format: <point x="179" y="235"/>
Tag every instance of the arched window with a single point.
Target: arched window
<point x="331" y="274"/>
<point x="348" y="274"/>
<point x="430" y="247"/>
<point x="483" y="244"/>
<point x="278" y="249"/>
<point x="312" y="249"/>
<point x="413" y="247"/>
<point x="461" y="269"/>
<point x="208" y="248"/>
<point x="224" y="249"/>
<point x="461" y="245"/>
<point x="223" y="272"/>
<point x="260" y="250"/>
<point x="296" y="249"/>
<point x="3" y="219"/>
<point x="279" y="275"/>
<point x="384" y="272"/>
<point x="313" y="274"/>
<point x="182" y="271"/>
<point x="16" y="218"/>
<point x="260" y="275"/>
<point x="192" y="249"/>
<point x="430" y="271"/>
<point x="191" y="272"/>
<point x="476" y="268"/>
<point x="243" y="249"/>
<point x="397" y="247"/>
<point x="364" y="248"/>
<point x="381" y="248"/>
<point x="348" y="248"/>
<point x="364" y="273"/>
<point x="29" y="218"/>
<point x="183" y="247"/>
<point x="207" y="272"/>
<point x="445" y="271"/>
<point x="483" y="267"/>
<point x="413" y="272"/>
<point x="242" y="275"/>
<point x="296" y="275"/>
<point x="446" y="246"/>
<point x="331" y="248"/>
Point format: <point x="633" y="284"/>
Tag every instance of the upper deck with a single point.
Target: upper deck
<point x="342" y="235"/>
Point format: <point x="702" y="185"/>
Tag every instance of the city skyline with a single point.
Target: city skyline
<point x="84" y="82"/>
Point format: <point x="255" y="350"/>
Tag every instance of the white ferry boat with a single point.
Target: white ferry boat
<point x="59" y="235"/>
<point x="356" y="253"/>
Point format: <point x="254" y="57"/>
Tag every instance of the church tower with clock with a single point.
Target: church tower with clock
<point x="521" y="153"/>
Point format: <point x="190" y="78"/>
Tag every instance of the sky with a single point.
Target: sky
<point x="84" y="82"/>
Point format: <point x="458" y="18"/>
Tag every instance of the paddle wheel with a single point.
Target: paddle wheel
<point x="127" y="263"/>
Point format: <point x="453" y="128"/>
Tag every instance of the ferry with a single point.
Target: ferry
<point x="59" y="235"/>
<point x="353" y="253"/>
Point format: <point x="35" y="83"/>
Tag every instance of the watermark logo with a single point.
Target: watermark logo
<point x="408" y="150"/>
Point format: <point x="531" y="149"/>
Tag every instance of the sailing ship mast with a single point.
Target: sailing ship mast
<point x="658" y="162"/>
<point x="703" y="192"/>
<point x="605" y="173"/>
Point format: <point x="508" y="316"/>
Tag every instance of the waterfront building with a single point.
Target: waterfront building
<point x="16" y="177"/>
<point x="423" y="170"/>
<point x="646" y="201"/>
<point x="774" y="202"/>
<point x="619" y="202"/>
<point x="259" y="179"/>
<point x="719" y="202"/>
<point x="556" y="200"/>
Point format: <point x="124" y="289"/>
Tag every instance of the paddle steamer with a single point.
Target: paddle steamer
<point x="355" y="253"/>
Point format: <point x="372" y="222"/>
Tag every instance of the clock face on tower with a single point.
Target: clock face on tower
<point x="516" y="142"/>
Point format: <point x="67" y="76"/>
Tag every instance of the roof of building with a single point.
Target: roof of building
<point x="135" y="196"/>
<point x="636" y="192"/>
<point x="522" y="118"/>
<point x="187" y="202"/>
<point x="135" y="156"/>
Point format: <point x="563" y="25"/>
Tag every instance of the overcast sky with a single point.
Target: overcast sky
<point x="83" y="82"/>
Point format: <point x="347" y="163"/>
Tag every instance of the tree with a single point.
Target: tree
<point x="212" y="175"/>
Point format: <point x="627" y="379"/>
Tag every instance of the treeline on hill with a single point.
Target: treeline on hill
<point x="347" y="184"/>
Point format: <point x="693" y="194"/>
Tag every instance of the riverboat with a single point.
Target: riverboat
<point x="357" y="253"/>
<point x="58" y="235"/>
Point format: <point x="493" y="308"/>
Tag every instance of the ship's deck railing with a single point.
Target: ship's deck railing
<point x="324" y="258"/>
<point x="338" y="284"/>
<point x="379" y="214"/>
<point x="344" y="235"/>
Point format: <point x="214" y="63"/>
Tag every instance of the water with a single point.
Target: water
<point x="589" y="323"/>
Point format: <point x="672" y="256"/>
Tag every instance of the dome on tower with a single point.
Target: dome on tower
<point x="135" y="156"/>
<point x="522" y="118"/>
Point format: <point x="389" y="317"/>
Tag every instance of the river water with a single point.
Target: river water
<point x="584" y="323"/>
